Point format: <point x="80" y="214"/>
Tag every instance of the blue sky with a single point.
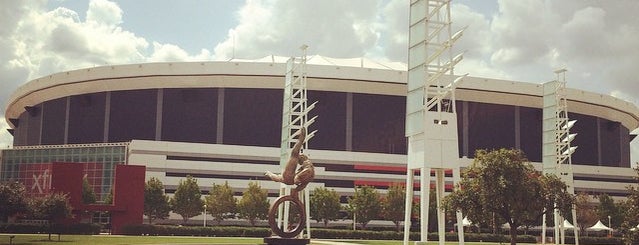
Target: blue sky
<point x="522" y="40"/>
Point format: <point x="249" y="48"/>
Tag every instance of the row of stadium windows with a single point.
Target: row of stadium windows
<point x="346" y="122"/>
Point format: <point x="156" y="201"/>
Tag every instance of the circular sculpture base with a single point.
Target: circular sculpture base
<point x="274" y="240"/>
<point x="297" y="216"/>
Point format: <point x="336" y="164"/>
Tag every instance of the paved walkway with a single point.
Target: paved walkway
<point x="332" y="242"/>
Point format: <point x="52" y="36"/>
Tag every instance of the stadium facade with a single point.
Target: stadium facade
<point x="221" y="121"/>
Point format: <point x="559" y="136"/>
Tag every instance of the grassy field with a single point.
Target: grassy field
<point x="114" y="239"/>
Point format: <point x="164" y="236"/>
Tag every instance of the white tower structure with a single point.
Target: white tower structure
<point x="557" y="150"/>
<point x="294" y="117"/>
<point x="431" y="119"/>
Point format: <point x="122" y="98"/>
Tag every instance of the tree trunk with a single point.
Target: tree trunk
<point x="325" y="223"/>
<point x="513" y="234"/>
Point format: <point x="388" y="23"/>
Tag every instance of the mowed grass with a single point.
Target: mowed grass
<point x="30" y="239"/>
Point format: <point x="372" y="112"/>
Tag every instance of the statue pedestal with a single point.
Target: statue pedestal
<point x="275" y="240"/>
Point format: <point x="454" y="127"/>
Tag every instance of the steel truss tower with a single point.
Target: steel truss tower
<point x="556" y="147"/>
<point x="431" y="118"/>
<point x="294" y="117"/>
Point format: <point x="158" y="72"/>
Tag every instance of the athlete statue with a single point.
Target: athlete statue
<point x="303" y="175"/>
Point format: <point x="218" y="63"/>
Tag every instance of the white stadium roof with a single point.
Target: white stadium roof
<point x="328" y="61"/>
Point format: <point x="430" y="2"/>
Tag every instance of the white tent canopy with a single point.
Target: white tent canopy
<point x="568" y="225"/>
<point x="466" y="222"/>
<point x="599" y="227"/>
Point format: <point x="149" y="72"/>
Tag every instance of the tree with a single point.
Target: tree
<point x="13" y="199"/>
<point x="254" y="204"/>
<point x="156" y="202"/>
<point x="221" y="203"/>
<point x="586" y="215"/>
<point x="109" y="198"/>
<point x="504" y="182"/>
<point x="324" y="205"/>
<point x="88" y="195"/>
<point x="631" y="205"/>
<point x="394" y="204"/>
<point x="52" y="207"/>
<point x="187" y="200"/>
<point x="365" y="205"/>
<point x="608" y="208"/>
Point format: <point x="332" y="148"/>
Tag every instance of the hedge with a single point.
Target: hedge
<point x="231" y="231"/>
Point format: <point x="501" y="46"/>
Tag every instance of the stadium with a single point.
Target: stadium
<point x="221" y="121"/>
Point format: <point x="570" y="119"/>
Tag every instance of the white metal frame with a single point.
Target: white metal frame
<point x="294" y="117"/>
<point x="557" y="150"/>
<point x="431" y="118"/>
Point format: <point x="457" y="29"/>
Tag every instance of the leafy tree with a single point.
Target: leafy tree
<point x="88" y="195"/>
<point x="187" y="200"/>
<point x="394" y="204"/>
<point x="254" y="204"/>
<point x="13" y="199"/>
<point x="109" y="198"/>
<point x="221" y="203"/>
<point x="631" y="205"/>
<point x="324" y="205"/>
<point x="52" y="207"/>
<point x="586" y="215"/>
<point x="608" y="207"/>
<point x="156" y="202"/>
<point x="365" y="205"/>
<point x="505" y="183"/>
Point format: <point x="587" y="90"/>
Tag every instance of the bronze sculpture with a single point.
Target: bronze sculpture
<point x="292" y="176"/>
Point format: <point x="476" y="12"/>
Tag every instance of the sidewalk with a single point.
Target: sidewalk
<point x="332" y="242"/>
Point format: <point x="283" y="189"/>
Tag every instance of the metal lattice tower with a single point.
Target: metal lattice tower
<point x="294" y="117"/>
<point x="557" y="150"/>
<point x="431" y="118"/>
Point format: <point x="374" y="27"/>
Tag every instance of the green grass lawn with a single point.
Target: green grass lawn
<point x="30" y="239"/>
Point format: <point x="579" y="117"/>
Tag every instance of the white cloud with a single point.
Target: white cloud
<point x="170" y="52"/>
<point x="104" y="12"/>
<point x="332" y="28"/>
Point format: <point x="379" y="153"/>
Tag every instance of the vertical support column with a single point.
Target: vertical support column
<point x="66" y="120"/>
<point x="410" y="178"/>
<point x="465" y="137"/>
<point x="349" y="121"/>
<point x="220" y="116"/>
<point x="599" y="158"/>
<point x="42" y="109"/>
<point x="424" y="197"/>
<point x="458" y="213"/>
<point x="159" y="108"/>
<point x="441" y="217"/>
<point x="517" y="127"/>
<point x="107" y="116"/>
